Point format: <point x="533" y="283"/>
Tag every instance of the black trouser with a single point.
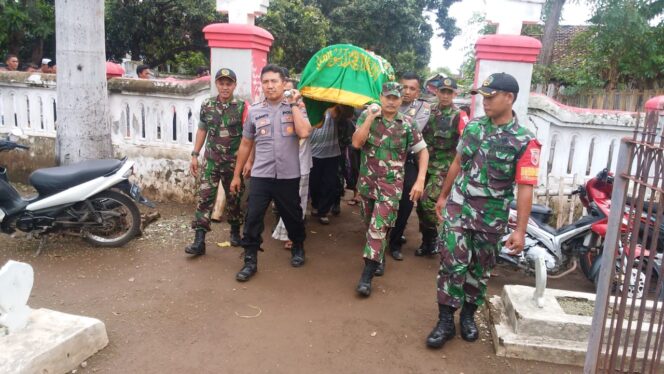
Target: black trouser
<point x="286" y="196"/>
<point x="323" y="183"/>
<point x="405" y="205"/>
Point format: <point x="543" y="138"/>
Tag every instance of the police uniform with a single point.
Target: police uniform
<point x="493" y="159"/>
<point x="419" y="112"/>
<point x="275" y="175"/>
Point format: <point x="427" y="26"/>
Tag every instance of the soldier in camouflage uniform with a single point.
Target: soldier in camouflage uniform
<point x="221" y="122"/>
<point x="384" y="138"/>
<point x="441" y="134"/>
<point x="493" y="155"/>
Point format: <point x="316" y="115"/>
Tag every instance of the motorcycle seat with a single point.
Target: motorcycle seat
<point x="53" y="180"/>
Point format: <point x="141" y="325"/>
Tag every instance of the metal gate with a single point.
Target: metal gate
<point x="627" y="332"/>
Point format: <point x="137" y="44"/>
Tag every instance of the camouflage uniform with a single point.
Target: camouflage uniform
<point x="477" y="210"/>
<point x="223" y="122"/>
<point x="441" y="134"/>
<point x="381" y="176"/>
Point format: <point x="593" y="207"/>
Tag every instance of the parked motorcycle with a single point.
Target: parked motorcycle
<point x="580" y="243"/>
<point x="91" y="199"/>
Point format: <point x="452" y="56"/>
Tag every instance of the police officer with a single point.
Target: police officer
<point x="441" y="134"/>
<point x="275" y="125"/>
<point x="495" y="153"/>
<point x="418" y="110"/>
<point x="384" y="137"/>
<point x="221" y="122"/>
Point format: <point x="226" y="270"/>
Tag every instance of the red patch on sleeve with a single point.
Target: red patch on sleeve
<point x="527" y="168"/>
<point x="463" y="121"/>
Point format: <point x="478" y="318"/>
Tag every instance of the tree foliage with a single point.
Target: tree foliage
<point x="299" y="31"/>
<point x="170" y="31"/>
<point x="394" y="29"/>
<point x="24" y="26"/>
<point x="157" y="30"/>
<point x="621" y="47"/>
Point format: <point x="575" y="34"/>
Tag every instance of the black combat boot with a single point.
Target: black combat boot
<point x="445" y="329"/>
<point x="364" y="286"/>
<point x="469" y="330"/>
<point x="297" y="255"/>
<point x="428" y="247"/>
<point x="236" y="240"/>
<point x="198" y="247"/>
<point x="380" y="270"/>
<point x="250" y="265"/>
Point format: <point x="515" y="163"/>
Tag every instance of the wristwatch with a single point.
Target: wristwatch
<point x="292" y="104"/>
<point x="194" y="153"/>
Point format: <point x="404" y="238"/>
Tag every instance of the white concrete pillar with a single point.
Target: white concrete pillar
<point x="242" y="48"/>
<point x="84" y="130"/>
<point x="511" y="54"/>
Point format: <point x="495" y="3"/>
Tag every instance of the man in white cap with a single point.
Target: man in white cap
<point x="44" y="66"/>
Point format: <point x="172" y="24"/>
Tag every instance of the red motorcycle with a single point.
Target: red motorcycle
<point x="597" y="192"/>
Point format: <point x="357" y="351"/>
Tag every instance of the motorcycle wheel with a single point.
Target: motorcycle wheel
<point x="121" y="220"/>
<point x="636" y="285"/>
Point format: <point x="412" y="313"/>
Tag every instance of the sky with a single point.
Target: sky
<point x="452" y="58"/>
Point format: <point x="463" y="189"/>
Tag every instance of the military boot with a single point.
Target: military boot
<point x="235" y="236"/>
<point x="364" y="286"/>
<point x="469" y="330"/>
<point x="444" y="329"/>
<point x="297" y="255"/>
<point x="380" y="270"/>
<point x="197" y="248"/>
<point x="428" y="247"/>
<point x="250" y="265"/>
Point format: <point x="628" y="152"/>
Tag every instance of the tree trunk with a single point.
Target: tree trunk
<point x="37" y="52"/>
<point x="83" y="127"/>
<point x="550" y="30"/>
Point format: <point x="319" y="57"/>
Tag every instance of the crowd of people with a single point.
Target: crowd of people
<point x="12" y="63"/>
<point x="397" y="152"/>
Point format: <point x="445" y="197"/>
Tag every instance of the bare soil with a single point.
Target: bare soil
<point x="168" y="313"/>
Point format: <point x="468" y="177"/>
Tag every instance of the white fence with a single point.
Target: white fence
<point x="154" y="122"/>
<point x="576" y="143"/>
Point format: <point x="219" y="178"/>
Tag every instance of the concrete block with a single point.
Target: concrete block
<point x="522" y="330"/>
<point x="52" y="343"/>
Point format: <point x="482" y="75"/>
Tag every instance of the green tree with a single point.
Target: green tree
<point x="622" y="45"/>
<point x="394" y="29"/>
<point x="447" y="25"/>
<point x="24" y="27"/>
<point x="157" y="30"/>
<point x="299" y="31"/>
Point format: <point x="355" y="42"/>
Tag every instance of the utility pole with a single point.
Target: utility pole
<point x="83" y="125"/>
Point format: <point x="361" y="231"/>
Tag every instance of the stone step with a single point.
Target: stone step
<point x="522" y="330"/>
<point x="52" y="342"/>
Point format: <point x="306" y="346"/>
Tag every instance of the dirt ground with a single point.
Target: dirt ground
<point x="168" y="313"/>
